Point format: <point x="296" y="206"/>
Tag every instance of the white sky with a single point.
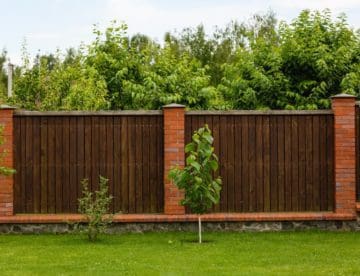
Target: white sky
<point x="51" y="24"/>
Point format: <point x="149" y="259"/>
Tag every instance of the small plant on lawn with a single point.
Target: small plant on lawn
<point x="201" y="189"/>
<point x="3" y="170"/>
<point x="95" y="206"/>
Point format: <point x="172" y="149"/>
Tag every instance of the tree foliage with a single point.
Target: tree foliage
<point x="196" y="179"/>
<point x="258" y="64"/>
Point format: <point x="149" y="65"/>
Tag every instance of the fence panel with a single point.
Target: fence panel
<point x="55" y="151"/>
<point x="357" y="122"/>
<point x="272" y="161"/>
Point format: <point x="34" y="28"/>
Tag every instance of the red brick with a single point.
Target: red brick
<point x="174" y="138"/>
<point x="218" y="217"/>
<point x="345" y="159"/>
<point x="7" y="182"/>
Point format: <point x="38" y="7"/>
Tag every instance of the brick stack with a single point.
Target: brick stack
<point x="343" y="106"/>
<point x="174" y="139"/>
<point x="7" y="182"/>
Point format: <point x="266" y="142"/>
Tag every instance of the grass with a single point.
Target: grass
<point x="297" y="253"/>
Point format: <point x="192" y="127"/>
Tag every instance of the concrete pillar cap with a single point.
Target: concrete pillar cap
<point x="342" y="95"/>
<point x="174" y="105"/>
<point x="5" y="106"/>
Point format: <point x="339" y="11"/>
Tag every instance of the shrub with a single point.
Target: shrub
<point x="95" y="206"/>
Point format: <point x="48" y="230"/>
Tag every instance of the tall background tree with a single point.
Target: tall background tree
<point x="257" y="64"/>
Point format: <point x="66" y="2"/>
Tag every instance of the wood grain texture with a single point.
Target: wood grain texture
<point x="54" y="153"/>
<point x="271" y="161"/>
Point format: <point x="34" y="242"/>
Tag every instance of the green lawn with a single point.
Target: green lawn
<point x="315" y="253"/>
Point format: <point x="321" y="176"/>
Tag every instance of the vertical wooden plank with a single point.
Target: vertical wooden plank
<point x="29" y="166"/>
<point x="287" y="162"/>
<point x="80" y="156"/>
<point x="357" y="133"/>
<point x="188" y="137"/>
<point x="44" y="164"/>
<point x="323" y="160"/>
<point x="51" y="207"/>
<point x="302" y="163"/>
<point x="316" y="164"/>
<point x="88" y="155"/>
<point x="295" y="197"/>
<point x="125" y="151"/>
<point x="146" y="165"/>
<point x="153" y="137"/>
<point x="109" y="152"/>
<point x="245" y="162"/>
<point x="95" y="153"/>
<point x="209" y="121"/>
<point x="59" y="150"/>
<point x="23" y="164"/>
<point x="259" y="160"/>
<point x="195" y="124"/>
<point x="138" y="165"/>
<point x="65" y="165"/>
<point x="217" y="138"/>
<point x="187" y="128"/>
<point x="252" y="163"/>
<point x="160" y="165"/>
<point x="103" y="146"/>
<point x="201" y="121"/>
<point x="274" y="190"/>
<point x="230" y="162"/>
<point x="224" y="166"/>
<point x="36" y="164"/>
<point x="280" y="167"/>
<point x="17" y="165"/>
<point x="266" y="157"/>
<point x="73" y="168"/>
<point x="120" y="168"/>
<point x="330" y="163"/>
<point x="132" y="165"/>
<point x="309" y="163"/>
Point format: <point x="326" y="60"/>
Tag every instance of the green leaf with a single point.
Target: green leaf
<point x="190" y="147"/>
<point x="196" y="165"/>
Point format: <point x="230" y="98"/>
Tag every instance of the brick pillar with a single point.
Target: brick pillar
<point x="343" y="106"/>
<point x="174" y="140"/>
<point x="7" y="182"/>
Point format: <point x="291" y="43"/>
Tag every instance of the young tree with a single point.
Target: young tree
<point x="95" y="206"/>
<point x="201" y="189"/>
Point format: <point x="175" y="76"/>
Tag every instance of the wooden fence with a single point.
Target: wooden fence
<point x="272" y="161"/>
<point x="357" y="122"/>
<point x="54" y="151"/>
<point x="269" y="161"/>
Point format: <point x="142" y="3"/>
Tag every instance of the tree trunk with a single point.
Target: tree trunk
<point x="199" y="219"/>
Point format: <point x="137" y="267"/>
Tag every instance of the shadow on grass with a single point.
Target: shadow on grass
<point x="196" y="241"/>
<point x="82" y="239"/>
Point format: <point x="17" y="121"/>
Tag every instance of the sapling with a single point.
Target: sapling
<point x="95" y="206"/>
<point x="196" y="178"/>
